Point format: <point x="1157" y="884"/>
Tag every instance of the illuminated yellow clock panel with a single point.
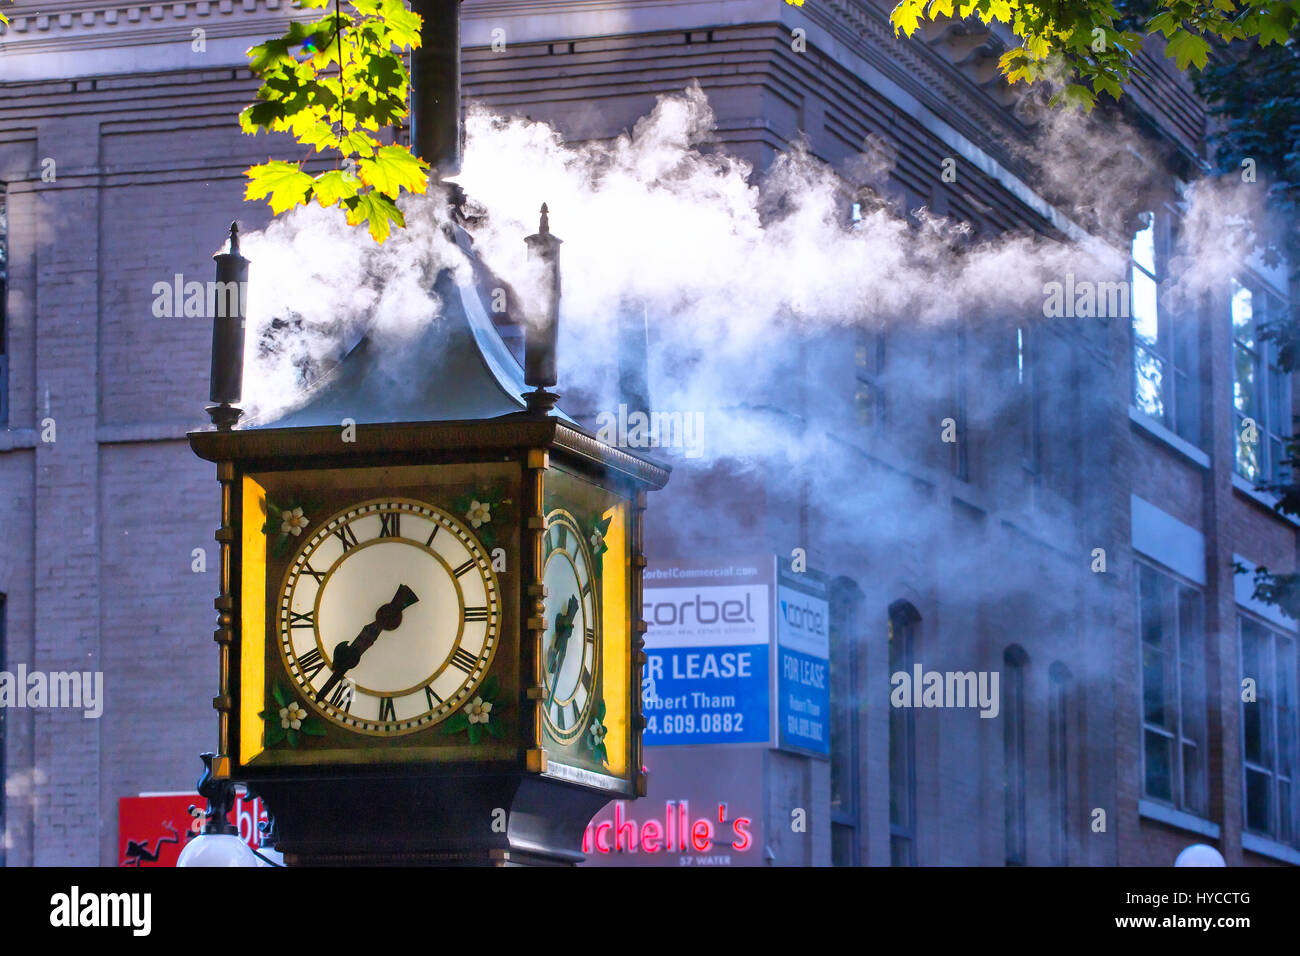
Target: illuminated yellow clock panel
<point x="377" y="615"/>
<point x="585" y="647"/>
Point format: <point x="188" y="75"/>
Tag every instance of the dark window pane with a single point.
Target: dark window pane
<point x="900" y="851"/>
<point x="1159" y="769"/>
<point x="1153" y="688"/>
<point x="1193" y="779"/>
<point x="1252" y="731"/>
<point x="842" y="839"/>
<point x="1258" y="802"/>
<point x="1187" y="412"/>
<point x="1149" y="583"/>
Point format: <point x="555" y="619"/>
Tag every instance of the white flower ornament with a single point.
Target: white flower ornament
<point x="479" y="513"/>
<point x="293" y="522"/>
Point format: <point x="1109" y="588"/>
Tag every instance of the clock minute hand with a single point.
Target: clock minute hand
<point x="563" y="630"/>
<point x="560" y="646"/>
<point x="347" y="655"/>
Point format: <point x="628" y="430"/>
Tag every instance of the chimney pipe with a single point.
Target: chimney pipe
<point x="542" y="329"/>
<point x="227" y="376"/>
<point x="435" y="86"/>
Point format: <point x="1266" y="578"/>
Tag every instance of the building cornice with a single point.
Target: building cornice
<point x="81" y="38"/>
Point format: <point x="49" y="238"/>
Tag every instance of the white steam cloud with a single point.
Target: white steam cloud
<point x="726" y="271"/>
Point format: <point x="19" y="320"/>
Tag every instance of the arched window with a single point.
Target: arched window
<point x="1015" y="661"/>
<point x="1058" y="747"/>
<point x="846" y="599"/>
<point x="4" y="317"/>
<point x="904" y="624"/>
<point x="4" y="660"/>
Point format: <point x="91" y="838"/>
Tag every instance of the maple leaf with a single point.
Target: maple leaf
<point x="393" y="169"/>
<point x="335" y="186"/>
<point x="282" y="184"/>
<point x="377" y="211"/>
<point x="1187" y="48"/>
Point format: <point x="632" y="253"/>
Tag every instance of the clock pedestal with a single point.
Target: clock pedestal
<point x="431" y="820"/>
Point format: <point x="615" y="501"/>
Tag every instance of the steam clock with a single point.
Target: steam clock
<point x="429" y="625"/>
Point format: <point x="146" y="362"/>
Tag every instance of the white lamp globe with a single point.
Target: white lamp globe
<point x="273" y="857"/>
<point x="217" y="849"/>
<point x="1198" y="854"/>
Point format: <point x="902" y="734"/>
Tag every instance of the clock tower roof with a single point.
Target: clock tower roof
<point x="457" y="368"/>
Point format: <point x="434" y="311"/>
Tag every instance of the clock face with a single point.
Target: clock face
<point x="569" y="644"/>
<point x="388" y="617"/>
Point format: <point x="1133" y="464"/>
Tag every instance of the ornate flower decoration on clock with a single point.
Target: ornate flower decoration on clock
<point x="288" y="721"/>
<point x="483" y="510"/>
<point x="594" y="738"/>
<point x="480" y="713"/>
<point x="599" y="528"/>
<point x="286" y="524"/>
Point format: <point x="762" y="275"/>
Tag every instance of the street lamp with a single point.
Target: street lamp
<point x="1199" y="854"/>
<point x="219" y="844"/>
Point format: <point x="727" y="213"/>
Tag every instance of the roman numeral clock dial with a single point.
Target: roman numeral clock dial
<point x="389" y="617"/>
<point x="569" y="645"/>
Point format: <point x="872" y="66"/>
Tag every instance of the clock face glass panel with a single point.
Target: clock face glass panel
<point x="569" y="644"/>
<point x="388" y="617"/>
<point x="585" y="647"/>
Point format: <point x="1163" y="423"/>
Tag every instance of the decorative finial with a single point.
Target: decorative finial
<point x="542" y="329"/>
<point x="228" y="334"/>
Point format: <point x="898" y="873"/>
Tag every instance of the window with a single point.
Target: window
<point x="1172" y="649"/>
<point x="1261" y="397"/>
<point x="1014" y="660"/>
<point x="869" y="396"/>
<point x="1058" y="752"/>
<point x="960" y="453"/>
<point x="4" y="781"/>
<point x="1268" y="732"/>
<point x="4" y="298"/>
<point x="1027" y="402"/>
<point x="903" y="624"/>
<point x="845" y="598"/>
<point x="1164" y="345"/>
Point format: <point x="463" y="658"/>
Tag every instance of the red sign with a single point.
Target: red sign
<point x="676" y="831"/>
<point x="152" y="829"/>
<point x="704" y="808"/>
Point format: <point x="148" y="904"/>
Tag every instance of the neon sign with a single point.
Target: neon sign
<point x="676" y="832"/>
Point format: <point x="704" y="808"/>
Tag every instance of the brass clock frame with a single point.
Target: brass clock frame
<point x="584" y="715"/>
<point x="533" y="446"/>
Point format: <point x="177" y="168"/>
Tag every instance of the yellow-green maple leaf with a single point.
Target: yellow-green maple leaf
<point x="282" y="184"/>
<point x="377" y="211"/>
<point x="393" y="169"/>
<point x="336" y="185"/>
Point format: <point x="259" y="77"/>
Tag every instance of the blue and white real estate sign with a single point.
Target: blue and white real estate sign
<point x="803" y="664"/>
<point x="707" y="678"/>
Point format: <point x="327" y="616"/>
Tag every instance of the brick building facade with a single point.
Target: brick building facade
<point x="1069" y="442"/>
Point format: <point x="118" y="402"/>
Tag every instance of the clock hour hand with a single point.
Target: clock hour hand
<point x="347" y="654"/>
<point x="560" y="646"/>
<point x="563" y="631"/>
